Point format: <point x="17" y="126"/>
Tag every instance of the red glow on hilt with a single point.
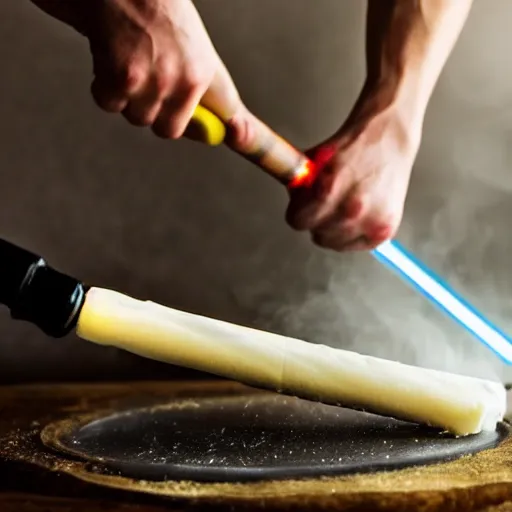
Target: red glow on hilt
<point x="305" y="175"/>
<point x="310" y="168"/>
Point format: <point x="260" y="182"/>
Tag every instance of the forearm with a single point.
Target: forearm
<point x="407" y="45"/>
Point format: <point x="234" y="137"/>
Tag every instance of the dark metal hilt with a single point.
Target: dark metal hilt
<point x="37" y="293"/>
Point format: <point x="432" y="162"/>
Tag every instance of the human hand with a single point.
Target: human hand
<point x="357" y="198"/>
<point x="153" y="60"/>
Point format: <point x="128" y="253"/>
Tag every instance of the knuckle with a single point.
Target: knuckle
<point x="163" y="83"/>
<point x="165" y="77"/>
<point x="132" y="77"/>
<point x="195" y="76"/>
<point x="242" y="130"/>
<point x="381" y="231"/>
<point x="353" y="208"/>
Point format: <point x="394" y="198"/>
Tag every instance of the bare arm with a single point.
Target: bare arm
<point x="153" y="60"/>
<point x="358" y="199"/>
<point x="407" y="45"/>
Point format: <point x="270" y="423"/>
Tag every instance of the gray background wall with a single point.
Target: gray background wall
<point x="200" y="229"/>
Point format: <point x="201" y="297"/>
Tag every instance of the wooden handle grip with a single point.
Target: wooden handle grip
<point x="253" y="140"/>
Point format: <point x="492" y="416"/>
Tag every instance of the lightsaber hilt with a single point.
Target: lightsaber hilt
<point x="256" y="142"/>
<point x="35" y="292"/>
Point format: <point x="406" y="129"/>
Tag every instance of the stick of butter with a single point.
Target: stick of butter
<point x="461" y="405"/>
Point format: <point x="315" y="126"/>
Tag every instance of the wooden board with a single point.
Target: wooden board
<point x="35" y="479"/>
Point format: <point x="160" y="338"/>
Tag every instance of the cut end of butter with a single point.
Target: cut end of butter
<point x="461" y="405"/>
<point x="494" y="407"/>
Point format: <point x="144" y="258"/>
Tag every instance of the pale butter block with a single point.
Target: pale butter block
<point x="459" y="404"/>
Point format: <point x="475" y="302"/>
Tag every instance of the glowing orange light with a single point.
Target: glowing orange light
<point x="310" y="169"/>
<point x="305" y="176"/>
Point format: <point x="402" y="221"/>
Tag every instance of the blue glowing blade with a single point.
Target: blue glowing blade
<point x="393" y="255"/>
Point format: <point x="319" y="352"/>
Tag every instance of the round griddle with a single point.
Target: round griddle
<point x="261" y="437"/>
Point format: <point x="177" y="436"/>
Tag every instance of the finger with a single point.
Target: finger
<point x="345" y="225"/>
<point x="243" y="129"/>
<point x="378" y="231"/>
<point x="335" y="242"/>
<point x="222" y="97"/>
<point x="345" y="236"/>
<point x="313" y="204"/>
<point x="176" y="114"/>
<point x="144" y="108"/>
<point x="360" y="244"/>
<point x="337" y="235"/>
<point x="117" y="79"/>
<point x="363" y="243"/>
<point x="343" y="244"/>
<point x="112" y="91"/>
<point x="310" y="208"/>
<point x="108" y="99"/>
<point x="348" y="216"/>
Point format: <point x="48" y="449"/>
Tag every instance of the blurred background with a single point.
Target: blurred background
<point x="202" y="230"/>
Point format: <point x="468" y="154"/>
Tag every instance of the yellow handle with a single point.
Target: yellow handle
<point x="211" y="130"/>
<point x="282" y="160"/>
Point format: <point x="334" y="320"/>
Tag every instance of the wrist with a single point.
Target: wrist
<point x="395" y="102"/>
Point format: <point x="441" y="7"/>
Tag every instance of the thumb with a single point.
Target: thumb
<point x="222" y="97"/>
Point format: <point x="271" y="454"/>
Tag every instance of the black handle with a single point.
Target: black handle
<point x="37" y="293"/>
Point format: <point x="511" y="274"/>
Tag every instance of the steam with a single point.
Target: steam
<point x="457" y="221"/>
<point x="368" y="309"/>
<point x="457" y="224"/>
